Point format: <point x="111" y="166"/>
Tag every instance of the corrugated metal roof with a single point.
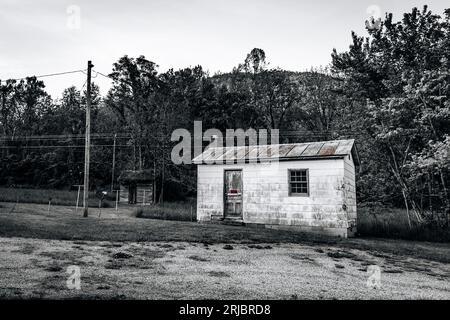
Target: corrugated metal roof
<point x="291" y="151"/>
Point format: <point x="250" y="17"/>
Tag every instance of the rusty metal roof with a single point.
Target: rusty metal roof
<point x="291" y="151"/>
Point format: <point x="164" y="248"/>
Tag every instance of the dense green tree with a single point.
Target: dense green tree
<point x="400" y="76"/>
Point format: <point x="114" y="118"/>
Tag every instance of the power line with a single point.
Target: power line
<point x="129" y="136"/>
<point x="59" y="146"/>
<point x="49" y="75"/>
<point x="68" y="136"/>
<point x="102" y="74"/>
<point x="83" y="86"/>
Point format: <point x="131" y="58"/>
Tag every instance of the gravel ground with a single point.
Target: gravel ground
<point x="34" y="268"/>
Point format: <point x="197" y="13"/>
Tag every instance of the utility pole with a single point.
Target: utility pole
<point x="113" y="163"/>
<point x="87" y="141"/>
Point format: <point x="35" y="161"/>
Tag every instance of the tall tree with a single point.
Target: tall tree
<point x="402" y="72"/>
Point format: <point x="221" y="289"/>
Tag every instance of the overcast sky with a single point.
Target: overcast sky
<point x="42" y="37"/>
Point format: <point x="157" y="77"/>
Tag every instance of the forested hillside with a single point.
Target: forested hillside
<point x="390" y="91"/>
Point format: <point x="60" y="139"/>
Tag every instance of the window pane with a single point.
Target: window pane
<point x="298" y="182"/>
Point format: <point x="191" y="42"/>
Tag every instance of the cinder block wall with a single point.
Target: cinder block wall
<point x="350" y="191"/>
<point x="266" y="197"/>
<point x="210" y="179"/>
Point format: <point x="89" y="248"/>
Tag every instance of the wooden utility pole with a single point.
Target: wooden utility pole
<point x="113" y="163"/>
<point x="87" y="141"/>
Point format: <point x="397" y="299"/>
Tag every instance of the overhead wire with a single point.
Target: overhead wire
<point x="50" y="75"/>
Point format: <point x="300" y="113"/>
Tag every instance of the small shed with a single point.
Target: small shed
<point x="136" y="187"/>
<point x="300" y="186"/>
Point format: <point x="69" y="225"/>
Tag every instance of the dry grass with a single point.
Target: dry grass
<point x="62" y="223"/>
<point x="393" y="223"/>
<point x="179" y="211"/>
<point x="59" y="197"/>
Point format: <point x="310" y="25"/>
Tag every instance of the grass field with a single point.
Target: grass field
<point x="62" y="223"/>
<point x="372" y="221"/>
<point x="123" y="257"/>
<point x="393" y="223"/>
<point x="178" y="211"/>
<point x="58" y="197"/>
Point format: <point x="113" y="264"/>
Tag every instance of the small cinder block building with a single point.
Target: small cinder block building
<point x="302" y="186"/>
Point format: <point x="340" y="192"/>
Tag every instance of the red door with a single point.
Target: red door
<point x="233" y="193"/>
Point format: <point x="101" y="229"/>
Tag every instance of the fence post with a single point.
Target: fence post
<point x="117" y="199"/>
<point x="78" y="199"/>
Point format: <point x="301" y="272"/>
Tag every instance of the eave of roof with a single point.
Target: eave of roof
<point x="281" y="152"/>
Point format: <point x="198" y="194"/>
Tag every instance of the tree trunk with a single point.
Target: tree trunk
<point x="140" y="156"/>
<point x="154" y="176"/>
<point x="430" y="188"/>
<point x="407" y="209"/>
<point x="134" y="154"/>
<point x="161" y="195"/>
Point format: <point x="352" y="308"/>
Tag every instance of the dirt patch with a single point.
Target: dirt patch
<point x="69" y="257"/>
<point x="27" y="248"/>
<point x="11" y="293"/>
<point x="392" y="271"/>
<point x="362" y="269"/>
<point x="103" y="287"/>
<point x="341" y="254"/>
<point x="258" y="246"/>
<point x="111" y="245"/>
<point x="53" y="283"/>
<point x="219" y="274"/>
<point x="155" y="272"/>
<point x="113" y="266"/>
<point x="302" y="257"/>
<point x="149" y="253"/>
<point x="165" y="245"/>
<point x="80" y="242"/>
<point x="54" y="268"/>
<point x="381" y="255"/>
<point x="122" y="255"/>
<point x="197" y="258"/>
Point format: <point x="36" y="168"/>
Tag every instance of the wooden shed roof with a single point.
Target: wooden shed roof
<point x="135" y="176"/>
<point x="291" y="151"/>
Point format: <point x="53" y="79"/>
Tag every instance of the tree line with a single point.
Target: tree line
<point x="389" y="91"/>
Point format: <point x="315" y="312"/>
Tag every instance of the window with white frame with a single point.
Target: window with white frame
<point x="298" y="182"/>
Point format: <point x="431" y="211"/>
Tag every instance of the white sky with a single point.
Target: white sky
<point x="296" y="35"/>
